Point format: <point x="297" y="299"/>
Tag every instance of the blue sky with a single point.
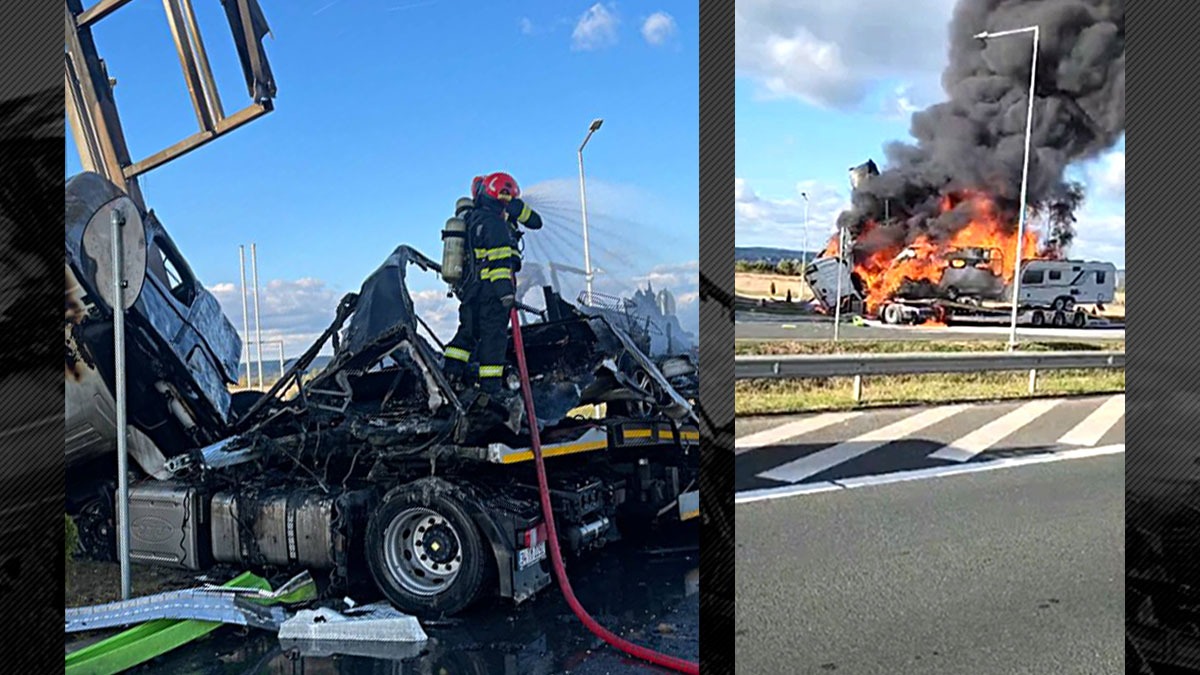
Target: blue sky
<point x="822" y="87"/>
<point x="387" y="108"/>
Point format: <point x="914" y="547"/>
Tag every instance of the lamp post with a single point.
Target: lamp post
<point x="841" y="271"/>
<point x="1016" y="292"/>
<point x="804" y="253"/>
<point x="587" y="253"/>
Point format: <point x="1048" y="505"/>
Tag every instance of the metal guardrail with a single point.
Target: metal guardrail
<point x="850" y="365"/>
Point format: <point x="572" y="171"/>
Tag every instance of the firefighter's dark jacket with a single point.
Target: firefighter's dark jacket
<point x="497" y="257"/>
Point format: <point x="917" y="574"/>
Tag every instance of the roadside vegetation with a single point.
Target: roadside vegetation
<point x="755" y="397"/>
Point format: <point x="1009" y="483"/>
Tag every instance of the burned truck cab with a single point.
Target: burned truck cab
<point x="375" y="468"/>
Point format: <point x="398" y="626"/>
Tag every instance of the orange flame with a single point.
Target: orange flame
<point x="884" y="271"/>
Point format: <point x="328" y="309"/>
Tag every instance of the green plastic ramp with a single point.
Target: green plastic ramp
<point x="154" y="638"/>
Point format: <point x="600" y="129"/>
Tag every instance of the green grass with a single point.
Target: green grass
<point x="786" y="347"/>
<point x="755" y="397"/>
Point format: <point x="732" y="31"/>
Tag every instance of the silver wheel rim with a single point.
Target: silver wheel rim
<point x="644" y="408"/>
<point x="423" y="551"/>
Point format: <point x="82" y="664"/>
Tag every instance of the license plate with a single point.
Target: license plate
<point x="531" y="555"/>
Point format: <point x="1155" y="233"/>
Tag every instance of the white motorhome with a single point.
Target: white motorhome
<point x="1062" y="284"/>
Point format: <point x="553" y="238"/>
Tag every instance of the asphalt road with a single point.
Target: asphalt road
<point x="1014" y="571"/>
<point x="845" y="449"/>
<point x="755" y="326"/>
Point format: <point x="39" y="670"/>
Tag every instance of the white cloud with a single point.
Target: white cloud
<point x="903" y="101"/>
<point x="1100" y="234"/>
<point x="658" y="28"/>
<point x="764" y="221"/>
<point x="296" y="312"/>
<point x="440" y="312"/>
<point x="596" y="29"/>
<point x="526" y="25"/>
<point x="832" y="54"/>
<point x="1107" y="176"/>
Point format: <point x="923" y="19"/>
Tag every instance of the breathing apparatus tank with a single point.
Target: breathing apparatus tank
<point x="454" y="244"/>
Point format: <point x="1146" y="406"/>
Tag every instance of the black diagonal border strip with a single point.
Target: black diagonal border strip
<point x="32" y="557"/>
<point x="1162" y="465"/>
<point x="716" y="336"/>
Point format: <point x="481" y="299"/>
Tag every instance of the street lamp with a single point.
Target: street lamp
<point x="804" y="253"/>
<point x="1016" y="294"/>
<point x="842" y="270"/>
<point x="587" y="253"/>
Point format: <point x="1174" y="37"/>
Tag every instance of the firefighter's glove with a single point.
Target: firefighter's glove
<point x="514" y="209"/>
<point x="508" y="301"/>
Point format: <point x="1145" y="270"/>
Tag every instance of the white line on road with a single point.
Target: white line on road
<point x="784" y="491"/>
<point x="1092" y="429"/>
<point x="751" y="496"/>
<point x="967" y="447"/>
<point x="783" y="432"/>
<point x="799" y="469"/>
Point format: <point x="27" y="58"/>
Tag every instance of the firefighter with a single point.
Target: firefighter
<point x="488" y="290"/>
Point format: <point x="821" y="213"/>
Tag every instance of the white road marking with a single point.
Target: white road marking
<point x="799" y="469"/>
<point x="783" y="491"/>
<point x="751" y="496"/>
<point x="969" y="446"/>
<point x="790" y="430"/>
<point x="1092" y="429"/>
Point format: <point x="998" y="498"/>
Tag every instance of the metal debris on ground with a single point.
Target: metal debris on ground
<point x="148" y="640"/>
<point x="254" y="607"/>
<point x="372" y="623"/>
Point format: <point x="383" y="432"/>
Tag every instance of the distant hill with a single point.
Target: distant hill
<point x="271" y="367"/>
<point x="769" y="254"/>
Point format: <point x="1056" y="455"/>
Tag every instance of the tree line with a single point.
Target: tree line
<point x="787" y="268"/>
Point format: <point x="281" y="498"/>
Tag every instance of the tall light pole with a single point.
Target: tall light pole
<point x="587" y="252"/>
<point x="841" y="271"/>
<point x="1016" y="292"/>
<point x="245" y="314"/>
<point x="804" y="253"/>
<point x="257" y="323"/>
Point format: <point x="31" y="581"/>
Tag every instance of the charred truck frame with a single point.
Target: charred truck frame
<point x="373" y="467"/>
<point x="376" y="465"/>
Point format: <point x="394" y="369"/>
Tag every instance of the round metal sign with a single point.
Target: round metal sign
<point x="97" y="245"/>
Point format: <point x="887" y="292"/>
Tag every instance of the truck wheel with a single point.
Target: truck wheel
<point x="1079" y="320"/>
<point x="891" y="314"/>
<point x="639" y="409"/>
<point x="1060" y="320"/>
<point x="1064" y="303"/>
<point x="1038" y="319"/>
<point x="426" y="554"/>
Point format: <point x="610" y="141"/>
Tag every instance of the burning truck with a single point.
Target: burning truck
<point x="898" y="277"/>
<point x="373" y="468"/>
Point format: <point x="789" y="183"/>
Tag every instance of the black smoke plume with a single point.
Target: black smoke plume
<point x="975" y="139"/>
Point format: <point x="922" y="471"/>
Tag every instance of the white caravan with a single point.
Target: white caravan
<point x="1062" y="284"/>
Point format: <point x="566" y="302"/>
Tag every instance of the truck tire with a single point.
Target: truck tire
<point x="1064" y="303"/>
<point x="425" y="553"/>
<point x="1060" y="319"/>
<point x="638" y="410"/>
<point x="1038" y="319"/>
<point x="891" y="314"/>
<point x="1079" y="320"/>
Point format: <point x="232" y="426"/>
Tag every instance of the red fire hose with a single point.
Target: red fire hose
<point x="560" y="573"/>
